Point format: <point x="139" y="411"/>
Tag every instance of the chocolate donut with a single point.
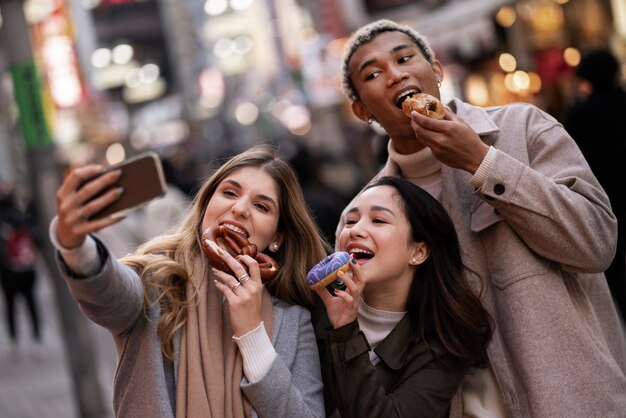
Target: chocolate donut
<point x="235" y="244"/>
<point x="324" y="273"/>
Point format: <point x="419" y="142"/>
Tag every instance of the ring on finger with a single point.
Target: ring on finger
<point x="232" y="289"/>
<point x="81" y="215"/>
<point x="244" y="278"/>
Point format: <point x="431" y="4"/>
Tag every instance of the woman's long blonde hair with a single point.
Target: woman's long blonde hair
<point x="166" y="262"/>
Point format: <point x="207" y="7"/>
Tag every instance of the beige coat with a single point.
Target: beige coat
<point x="536" y="237"/>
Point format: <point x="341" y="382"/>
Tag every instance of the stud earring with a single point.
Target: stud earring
<point x="439" y="83"/>
<point x="274" y="247"/>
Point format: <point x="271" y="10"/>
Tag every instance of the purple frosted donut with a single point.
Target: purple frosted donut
<point x="325" y="272"/>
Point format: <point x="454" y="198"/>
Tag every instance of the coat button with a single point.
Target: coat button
<point x="498" y="189"/>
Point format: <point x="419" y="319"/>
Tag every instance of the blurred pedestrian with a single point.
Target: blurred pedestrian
<point x="18" y="255"/>
<point x="194" y="341"/>
<point x="597" y="122"/>
<point x="535" y="228"/>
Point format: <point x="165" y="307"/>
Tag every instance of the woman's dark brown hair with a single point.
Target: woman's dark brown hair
<point x="444" y="309"/>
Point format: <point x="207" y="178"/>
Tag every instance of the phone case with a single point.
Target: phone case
<point x="142" y="180"/>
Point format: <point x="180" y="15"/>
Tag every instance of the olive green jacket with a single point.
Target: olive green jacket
<point x="409" y="381"/>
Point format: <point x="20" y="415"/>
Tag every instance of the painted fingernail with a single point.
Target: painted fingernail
<point x="340" y="273"/>
<point x="353" y="260"/>
<point x="216" y="282"/>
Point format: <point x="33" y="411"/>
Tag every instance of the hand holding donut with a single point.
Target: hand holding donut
<point x="342" y="307"/>
<point x="235" y="244"/>
<point x="243" y="291"/>
<point x="425" y="104"/>
<point x="76" y="200"/>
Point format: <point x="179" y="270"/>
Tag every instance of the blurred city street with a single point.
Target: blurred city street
<point x="36" y="382"/>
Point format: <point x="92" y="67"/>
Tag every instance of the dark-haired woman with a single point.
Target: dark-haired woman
<point x="401" y="337"/>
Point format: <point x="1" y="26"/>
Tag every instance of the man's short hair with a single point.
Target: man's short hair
<point x="366" y="34"/>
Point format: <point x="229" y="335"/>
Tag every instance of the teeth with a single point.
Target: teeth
<point x="361" y="251"/>
<point x="237" y="230"/>
<point x="404" y="96"/>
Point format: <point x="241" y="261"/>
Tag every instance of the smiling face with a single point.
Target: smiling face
<point x="378" y="235"/>
<point x="246" y="201"/>
<point x="383" y="71"/>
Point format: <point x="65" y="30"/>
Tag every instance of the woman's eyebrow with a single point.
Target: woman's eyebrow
<point x="259" y="196"/>
<point x="377" y="208"/>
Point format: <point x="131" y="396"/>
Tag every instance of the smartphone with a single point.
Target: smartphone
<point x="142" y="180"/>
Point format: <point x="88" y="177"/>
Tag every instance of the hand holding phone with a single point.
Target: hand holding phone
<point x="141" y="180"/>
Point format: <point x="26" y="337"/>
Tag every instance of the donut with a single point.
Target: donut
<point x="235" y="244"/>
<point x="325" y="272"/>
<point x="425" y="104"/>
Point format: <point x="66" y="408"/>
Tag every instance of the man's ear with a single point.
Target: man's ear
<point x="419" y="253"/>
<point x="360" y="111"/>
<point x="438" y="69"/>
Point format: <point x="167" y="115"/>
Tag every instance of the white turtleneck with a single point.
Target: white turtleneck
<point x="420" y="168"/>
<point x="376" y="325"/>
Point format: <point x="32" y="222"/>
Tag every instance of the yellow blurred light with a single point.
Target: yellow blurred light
<point x="506" y="16"/>
<point x="521" y="80"/>
<point x="560" y="1"/>
<point x="507" y="62"/>
<point x="115" y="153"/>
<point x="571" y="56"/>
<point x="547" y="17"/>
<point x="535" y="82"/>
<point x="477" y="91"/>
<point x="509" y="83"/>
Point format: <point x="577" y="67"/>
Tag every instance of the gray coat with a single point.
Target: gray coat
<point x="536" y="238"/>
<point x="144" y="383"/>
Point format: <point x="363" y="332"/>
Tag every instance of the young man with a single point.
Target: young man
<point x="534" y="224"/>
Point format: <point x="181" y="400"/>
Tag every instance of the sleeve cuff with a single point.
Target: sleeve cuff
<point x="484" y="168"/>
<point x="83" y="260"/>
<point x="257" y="351"/>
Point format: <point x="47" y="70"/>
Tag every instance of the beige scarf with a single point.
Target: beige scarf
<point x="210" y="367"/>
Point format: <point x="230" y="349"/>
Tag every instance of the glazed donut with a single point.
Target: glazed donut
<point x="325" y="272"/>
<point x="425" y="104"/>
<point x="235" y="244"/>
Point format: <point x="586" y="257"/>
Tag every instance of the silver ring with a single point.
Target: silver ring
<point x="232" y="289"/>
<point x="244" y="278"/>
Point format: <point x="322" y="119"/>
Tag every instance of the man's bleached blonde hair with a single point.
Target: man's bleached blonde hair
<point x="366" y="34"/>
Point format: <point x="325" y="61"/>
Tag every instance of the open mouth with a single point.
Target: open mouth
<point x="235" y="229"/>
<point x="361" y="254"/>
<point x="405" y="95"/>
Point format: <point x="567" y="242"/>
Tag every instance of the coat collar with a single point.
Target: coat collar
<point x="476" y="117"/>
<point x="394" y="350"/>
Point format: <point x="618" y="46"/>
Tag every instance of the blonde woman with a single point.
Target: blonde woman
<point x="193" y="341"/>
